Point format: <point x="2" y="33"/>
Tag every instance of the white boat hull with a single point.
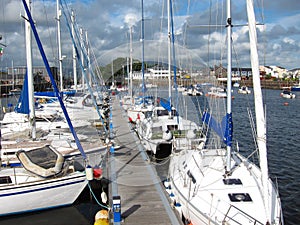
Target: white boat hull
<point x="40" y="195"/>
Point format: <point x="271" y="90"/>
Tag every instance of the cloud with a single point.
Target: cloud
<point x="107" y="25"/>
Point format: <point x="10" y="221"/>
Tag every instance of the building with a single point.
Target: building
<point x="277" y="72"/>
<point x="16" y="74"/>
<point x="294" y="73"/>
<point x="151" y="74"/>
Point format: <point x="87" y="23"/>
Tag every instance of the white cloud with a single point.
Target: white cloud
<point x="131" y="19"/>
<point x="289" y="40"/>
<point x="276" y="47"/>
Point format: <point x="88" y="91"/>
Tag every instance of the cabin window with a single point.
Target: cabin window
<point x="5" y="180"/>
<point x="156" y="129"/>
<point x="232" y="181"/>
<point x="162" y="112"/>
<point x="172" y="127"/>
<point x="156" y="133"/>
<point x="240" y="197"/>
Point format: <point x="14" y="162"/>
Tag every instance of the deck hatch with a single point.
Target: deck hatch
<point x="240" y="197"/>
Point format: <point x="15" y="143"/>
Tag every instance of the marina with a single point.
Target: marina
<point x="219" y="151"/>
<point x="284" y="153"/>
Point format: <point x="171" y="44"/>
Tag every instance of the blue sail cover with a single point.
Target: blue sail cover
<point x="54" y="94"/>
<point x="23" y="102"/>
<point x="227" y="123"/>
<point x="224" y="130"/>
<point x="166" y="104"/>
<point x="144" y="88"/>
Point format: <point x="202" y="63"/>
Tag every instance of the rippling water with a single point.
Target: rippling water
<point x="283" y="124"/>
<point x="283" y="146"/>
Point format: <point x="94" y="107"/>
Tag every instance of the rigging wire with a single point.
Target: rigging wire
<point x="49" y="33"/>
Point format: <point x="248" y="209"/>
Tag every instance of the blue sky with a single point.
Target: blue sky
<point x="107" y="24"/>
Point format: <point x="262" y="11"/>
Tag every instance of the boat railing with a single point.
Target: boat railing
<point x="234" y="214"/>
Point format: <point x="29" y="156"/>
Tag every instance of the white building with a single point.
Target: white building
<point x="151" y="74"/>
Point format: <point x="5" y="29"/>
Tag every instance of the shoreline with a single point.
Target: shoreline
<point x="265" y="84"/>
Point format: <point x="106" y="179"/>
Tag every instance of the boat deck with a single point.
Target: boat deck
<point x="134" y="179"/>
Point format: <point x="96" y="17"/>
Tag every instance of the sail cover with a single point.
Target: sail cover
<point x="23" y="102"/>
<point x="223" y="129"/>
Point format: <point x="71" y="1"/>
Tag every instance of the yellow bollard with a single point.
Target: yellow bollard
<point x="101" y="218"/>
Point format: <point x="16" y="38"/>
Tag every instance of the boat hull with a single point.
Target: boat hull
<point x="41" y="195"/>
<point x="295" y="88"/>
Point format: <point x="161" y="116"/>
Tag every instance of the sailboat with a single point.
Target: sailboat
<point x="244" y="90"/>
<point x="46" y="179"/>
<point x="216" y="185"/>
<point x="142" y="104"/>
<point x="296" y="87"/>
<point x="164" y="130"/>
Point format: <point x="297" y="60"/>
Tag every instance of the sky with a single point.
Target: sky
<point x="107" y="25"/>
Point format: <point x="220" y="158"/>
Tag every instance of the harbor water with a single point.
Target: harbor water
<point x="283" y="124"/>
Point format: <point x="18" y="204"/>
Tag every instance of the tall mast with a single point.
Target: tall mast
<point x="82" y="57"/>
<point x="58" y="14"/>
<point x="259" y="109"/>
<point x="112" y="75"/>
<point x="130" y="73"/>
<point x="169" y="54"/>
<point x="88" y="58"/>
<point x="229" y="113"/>
<point x="30" y="75"/>
<point x="143" y="54"/>
<point x="13" y="74"/>
<point x="74" y="51"/>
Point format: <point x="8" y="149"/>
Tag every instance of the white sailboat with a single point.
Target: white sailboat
<point x="47" y="179"/>
<point x="164" y="130"/>
<point x="244" y="90"/>
<point x="287" y="94"/>
<point x="218" y="185"/>
<point x="296" y="87"/>
<point x="142" y="104"/>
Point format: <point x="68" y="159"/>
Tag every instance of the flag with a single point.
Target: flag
<point x="1" y="51"/>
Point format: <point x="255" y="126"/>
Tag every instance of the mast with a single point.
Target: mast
<point x="13" y="74"/>
<point x="229" y="113"/>
<point x="30" y="75"/>
<point x="74" y="51"/>
<point x="82" y="57"/>
<point x="143" y="55"/>
<point x="259" y="109"/>
<point x="88" y="57"/>
<point x="130" y="74"/>
<point x="58" y="14"/>
<point x="112" y="75"/>
<point x="169" y="55"/>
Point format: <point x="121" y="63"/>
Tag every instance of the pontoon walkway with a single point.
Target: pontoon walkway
<point x="134" y="179"/>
